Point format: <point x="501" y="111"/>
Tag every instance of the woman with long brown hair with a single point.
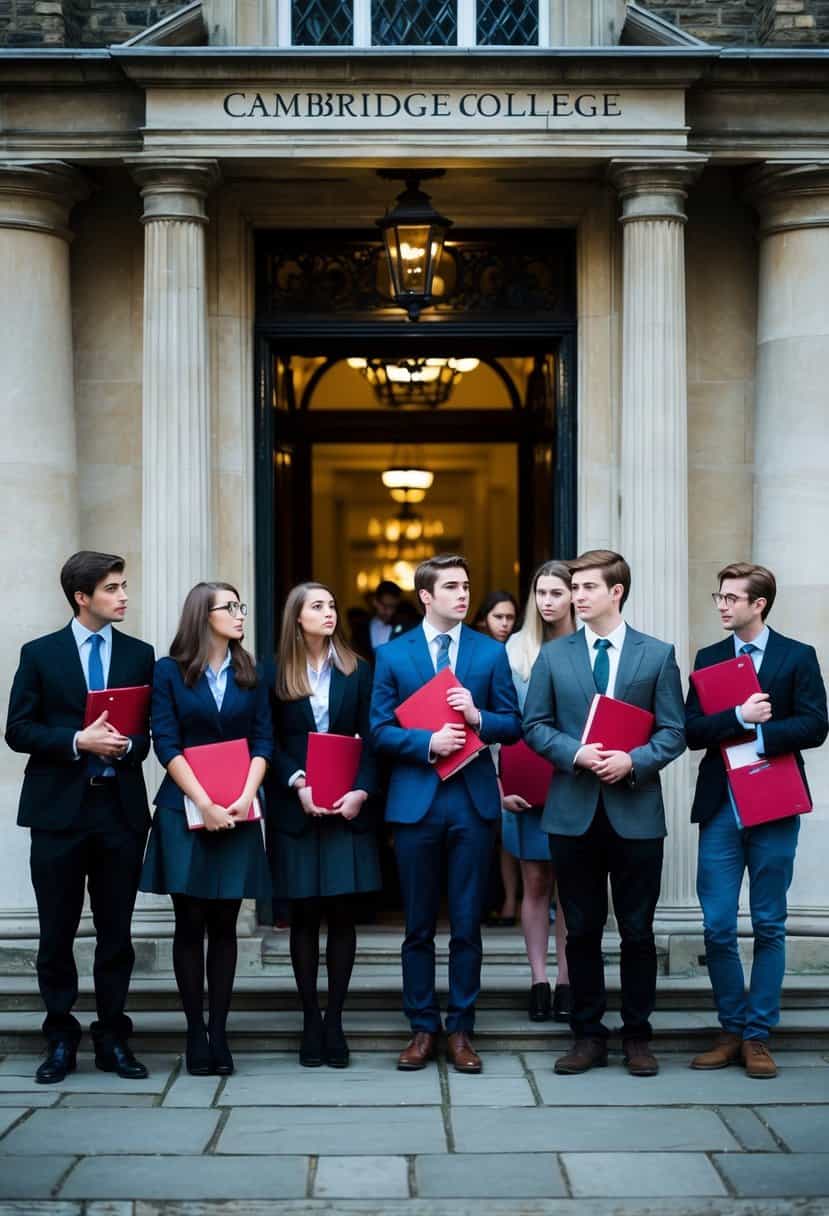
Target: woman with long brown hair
<point x="321" y="858"/>
<point x="207" y="691"/>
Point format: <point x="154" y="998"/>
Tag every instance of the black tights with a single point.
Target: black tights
<point x="218" y="918"/>
<point x="306" y="916"/>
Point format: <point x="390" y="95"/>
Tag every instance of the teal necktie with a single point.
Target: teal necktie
<point x="94" y="765"/>
<point x="443" y="640"/>
<point x="601" y="667"/>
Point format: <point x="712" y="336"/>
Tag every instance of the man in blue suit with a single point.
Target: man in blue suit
<point x="459" y="814"/>
<point x="789" y="714"/>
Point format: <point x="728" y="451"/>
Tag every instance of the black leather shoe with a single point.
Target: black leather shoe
<point x="197" y="1058"/>
<point x="221" y="1059"/>
<point x="540" y="1002"/>
<point x="337" y="1054"/>
<point x="118" y="1058"/>
<point x="562" y="1003"/>
<point x="312" y="1048"/>
<point x="60" y="1061"/>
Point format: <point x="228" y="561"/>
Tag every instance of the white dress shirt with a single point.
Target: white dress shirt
<point x="82" y="635"/>
<point x="320" y="683"/>
<point x="614" y="651"/>
<point x="379" y="632"/>
<point x="757" y="655"/>
<point x="434" y="646"/>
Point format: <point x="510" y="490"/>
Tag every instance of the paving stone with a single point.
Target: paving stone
<point x="355" y="1086"/>
<point x="99" y="1131"/>
<point x="43" y="1097"/>
<point x="110" y="1100"/>
<point x="502" y="1063"/>
<point x="802" y="1128"/>
<point x="552" y="1129"/>
<point x="31" y="1179"/>
<point x="362" y="1178"/>
<point x="8" y="1116"/>
<point x="489" y="1091"/>
<point x="19" y="1076"/>
<point x="187" y="1177"/>
<point x="678" y="1085"/>
<point x="749" y="1128"/>
<point x="191" y="1091"/>
<point x="333" y="1131"/>
<point x="641" y="1175"/>
<point x="788" y="1175"/>
<point x="495" y="1176"/>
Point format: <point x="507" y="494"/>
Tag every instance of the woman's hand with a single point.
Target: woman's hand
<point x="350" y="805"/>
<point x="216" y="818"/>
<point x="240" y="809"/>
<point x="305" y="797"/>
<point x="515" y="803"/>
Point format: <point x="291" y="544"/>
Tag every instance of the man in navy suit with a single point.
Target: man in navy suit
<point x="788" y="715"/>
<point x="84" y="800"/>
<point x="459" y="814"/>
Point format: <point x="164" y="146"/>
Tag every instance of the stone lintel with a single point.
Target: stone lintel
<point x="653" y="190"/>
<point x="173" y="189"/>
<point x="39" y="195"/>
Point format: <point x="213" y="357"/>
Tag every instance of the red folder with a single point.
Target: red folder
<point x="525" y="773"/>
<point x="128" y="708"/>
<point x="331" y="766"/>
<point x="222" y="770"/>
<point x="620" y="727"/>
<point x="725" y="685"/>
<point x="428" y="709"/>
<point x="773" y="788"/>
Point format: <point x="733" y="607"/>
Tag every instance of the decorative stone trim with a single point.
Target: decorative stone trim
<point x="38" y="196"/>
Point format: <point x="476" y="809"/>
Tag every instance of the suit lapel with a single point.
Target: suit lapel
<point x="466" y="651"/>
<point x="577" y="649"/>
<point x="118" y="675"/>
<point x="202" y="690"/>
<point x="232" y="693"/>
<point x="773" y="656"/>
<point x="632" y="650"/>
<point x="336" y="693"/>
<point x="71" y="665"/>
<point x="420" y="656"/>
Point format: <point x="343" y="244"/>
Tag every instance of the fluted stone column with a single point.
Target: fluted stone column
<point x="654" y="459"/>
<point x="791" y="434"/>
<point x="176" y="516"/>
<point x="38" y="459"/>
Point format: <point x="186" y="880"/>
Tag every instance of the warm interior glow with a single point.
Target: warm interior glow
<point x="407" y="479"/>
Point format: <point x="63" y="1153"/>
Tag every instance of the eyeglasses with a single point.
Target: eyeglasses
<point x="232" y="608"/>
<point x="727" y="601"/>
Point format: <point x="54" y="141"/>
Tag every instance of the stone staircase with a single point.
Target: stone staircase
<point x="265" y="1009"/>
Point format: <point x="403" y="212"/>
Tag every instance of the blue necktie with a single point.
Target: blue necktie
<point x="748" y="648"/>
<point x="443" y="640"/>
<point x="601" y="668"/>
<point x="95" y="766"/>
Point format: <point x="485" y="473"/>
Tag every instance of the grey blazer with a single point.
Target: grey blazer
<point x="558" y="699"/>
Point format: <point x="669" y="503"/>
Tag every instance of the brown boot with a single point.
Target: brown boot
<point x="639" y="1059"/>
<point x="459" y="1051"/>
<point x="725" y="1051"/>
<point x="584" y="1054"/>
<point x="418" y="1052"/>
<point x="758" y="1059"/>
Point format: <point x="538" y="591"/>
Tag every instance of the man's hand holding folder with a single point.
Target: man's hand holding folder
<point x="446" y="709"/>
<point x="612" y="731"/>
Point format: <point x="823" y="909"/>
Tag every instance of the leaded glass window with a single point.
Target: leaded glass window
<point x="414" y="22"/>
<point x="507" y="23"/>
<point x="322" y="22"/>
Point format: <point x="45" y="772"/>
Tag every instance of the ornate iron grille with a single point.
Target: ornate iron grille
<point x="414" y="22"/>
<point x="322" y="22"/>
<point x="507" y="22"/>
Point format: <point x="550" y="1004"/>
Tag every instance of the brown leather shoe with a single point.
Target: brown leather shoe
<point x="583" y="1055"/>
<point x="639" y="1059"/>
<point x="418" y="1052"/>
<point x="460" y="1053"/>
<point x="726" y="1050"/>
<point x="758" y="1059"/>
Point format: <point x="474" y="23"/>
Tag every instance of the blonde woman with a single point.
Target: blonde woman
<point x="548" y="615"/>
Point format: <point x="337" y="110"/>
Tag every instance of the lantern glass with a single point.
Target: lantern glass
<point x="413" y="234"/>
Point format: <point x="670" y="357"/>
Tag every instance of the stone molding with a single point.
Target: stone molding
<point x="790" y="195"/>
<point x="39" y="195"/>
<point x="175" y="189"/>
<point x="653" y="191"/>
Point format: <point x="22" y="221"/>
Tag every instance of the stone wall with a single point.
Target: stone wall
<point x="77" y="22"/>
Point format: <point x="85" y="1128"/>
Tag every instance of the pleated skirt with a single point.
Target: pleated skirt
<point x="207" y="865"/>
<point x="328" y="859"/>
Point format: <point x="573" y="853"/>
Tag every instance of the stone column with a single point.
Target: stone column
<point x="38" y="461"/>
<point x="791" y="440"/>
<point x="654" y="460"/>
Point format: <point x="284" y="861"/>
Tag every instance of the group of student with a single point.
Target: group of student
<point x="83" y="799"/>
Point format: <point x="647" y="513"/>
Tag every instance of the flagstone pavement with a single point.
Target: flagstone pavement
<point x="518" y="1140"/>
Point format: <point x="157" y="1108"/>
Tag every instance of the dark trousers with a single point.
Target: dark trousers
<point x="451" y="823"/>
<point x="583" y="865"/>
<point x="105" y="852"/>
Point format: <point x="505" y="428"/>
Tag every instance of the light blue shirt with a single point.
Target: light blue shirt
<point x="320" y="683"/>
<point x="82" y="635"/>
<point x="756" y="656"/>
<point x="217" y="681"/>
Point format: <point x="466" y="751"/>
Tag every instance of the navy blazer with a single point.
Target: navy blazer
<point x="401" y="668"/>
<point x="188" y="717"/>
<point x="790" y="674"/>
<point x="293" y="722"/>
<point x="46" y="709"/>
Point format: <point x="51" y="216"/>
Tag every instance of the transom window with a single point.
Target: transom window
<point x="363" y="23"/>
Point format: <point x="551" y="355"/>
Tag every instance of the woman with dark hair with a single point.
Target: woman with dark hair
<point x="548" y="615"/>
<point x="321" y="858"/>
<point x="497" y="615"/>
<point x="207" y="691"/>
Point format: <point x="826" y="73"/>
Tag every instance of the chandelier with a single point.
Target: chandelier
<point x="413" y="381"/>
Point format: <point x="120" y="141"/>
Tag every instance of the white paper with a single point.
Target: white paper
<point x="742" y="754"/>
<point x="196" y="820"/>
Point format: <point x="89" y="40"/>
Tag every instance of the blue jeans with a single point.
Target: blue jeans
<point x="725" y="852"/>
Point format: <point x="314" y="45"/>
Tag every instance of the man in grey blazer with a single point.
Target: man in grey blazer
<point x="604" y="809"/>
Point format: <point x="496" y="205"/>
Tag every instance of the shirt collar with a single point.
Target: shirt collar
<point x="616" y="638"/>
<point x="81" y="634"/>
<point x="215" y="674"/>
<point x="432" y="633"/>
<point x="327" y="664"/>
<point x="760" y="642"/>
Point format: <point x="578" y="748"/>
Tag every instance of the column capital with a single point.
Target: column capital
<point x="175" y="189"/>
<point x="39" y="195"/>
<point x="789" y="195"/>
<point x="653" y="190"/>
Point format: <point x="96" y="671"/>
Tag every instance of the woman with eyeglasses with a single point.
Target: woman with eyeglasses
<point x="322" y="858"/>
<point x="207" y="691"/>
